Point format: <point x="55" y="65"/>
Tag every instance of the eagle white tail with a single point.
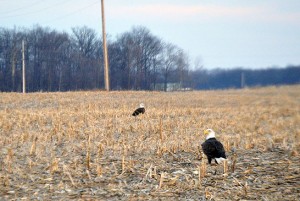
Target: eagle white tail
<point x="219" y="160"/>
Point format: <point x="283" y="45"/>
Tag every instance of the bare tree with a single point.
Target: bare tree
<point x="86" y="53"/>
<point x="58" y="61"/>
<point x="168" y="65"/>
<point x="140" y="51"/>
<point x="10" y="58"/>
<point x="182" y="68"/>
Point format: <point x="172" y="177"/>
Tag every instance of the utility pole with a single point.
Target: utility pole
<point x="242" y="80"/>
<point x="106" y="67"/>
<point x="23" y="67"/>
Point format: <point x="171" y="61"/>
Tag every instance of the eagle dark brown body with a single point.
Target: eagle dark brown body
<point x="140" y="110"/>
<point x="213" y="149"/>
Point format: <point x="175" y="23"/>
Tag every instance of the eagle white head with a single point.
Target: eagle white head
<point x="209" y="133"/>
<point x="142" y="105"/>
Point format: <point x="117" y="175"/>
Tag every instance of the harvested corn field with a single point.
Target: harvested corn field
<point x="86" y="145"/>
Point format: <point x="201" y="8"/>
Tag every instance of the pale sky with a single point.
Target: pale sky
<point x="222" y="33"/>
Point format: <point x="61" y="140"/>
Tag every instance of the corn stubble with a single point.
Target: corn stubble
<point x="86" y="145"/>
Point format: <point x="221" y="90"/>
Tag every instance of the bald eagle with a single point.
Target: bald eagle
<point x="139" y="110"/>
<point x="212" y="148"/>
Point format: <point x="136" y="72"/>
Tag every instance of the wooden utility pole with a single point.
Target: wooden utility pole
<point x="23" y="67"/>
<point x="106" y="67"/>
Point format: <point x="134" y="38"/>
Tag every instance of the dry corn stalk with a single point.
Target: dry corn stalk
<point x="233" y="162"/>
<point x="9" y="159"/>
<point x="207" y="194"/>
<point x="203" y="167"/>
<point x="54" y="166"/>
<point x="199" y="176"/>
<point x="88" y="155"/>
<point x="161" y="180"/>
<point x="123" y="164"/>
<point x="88" y="174"/>
<point x="99" y="170"/>
<point x="33" y="147"/>
<point x="225" y="167"/>
<point x="160" y="130"/>
<point x="227" y="145"/>
<point x="100" y="150"/>
<point x="149" y="172"/>
<point x="245" y="187"/>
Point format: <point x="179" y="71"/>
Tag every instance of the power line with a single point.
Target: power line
<point x="60" y="17"/>
<point x="37" y="11"/>
<point x="72" y="13"/>
<point x="21" y="8"/>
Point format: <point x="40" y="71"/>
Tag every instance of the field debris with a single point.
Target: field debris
<point x="86" y="145"/>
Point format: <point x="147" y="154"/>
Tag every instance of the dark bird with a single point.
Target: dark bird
<point x="139" y="110"/>
<point x="212" y="148"/>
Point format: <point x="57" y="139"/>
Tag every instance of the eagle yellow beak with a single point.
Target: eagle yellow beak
<point x="206" y="132"/>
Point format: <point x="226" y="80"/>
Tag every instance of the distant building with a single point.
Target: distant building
<point x="176" y="86"/>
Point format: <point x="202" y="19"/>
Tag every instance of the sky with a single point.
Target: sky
<point x="214" y="33"/>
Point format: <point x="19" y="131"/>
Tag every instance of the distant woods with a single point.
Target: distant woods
<point x="138" y="60"/>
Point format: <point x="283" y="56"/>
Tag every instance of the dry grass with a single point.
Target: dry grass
<point x="86" y="145"/>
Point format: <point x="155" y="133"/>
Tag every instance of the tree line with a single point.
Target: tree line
<point x="138" y="60"/>
<point x="239" y="77"/>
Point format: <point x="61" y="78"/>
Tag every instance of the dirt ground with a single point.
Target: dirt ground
<point x="258" y="175"/>
<point x="64" y="146"/>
